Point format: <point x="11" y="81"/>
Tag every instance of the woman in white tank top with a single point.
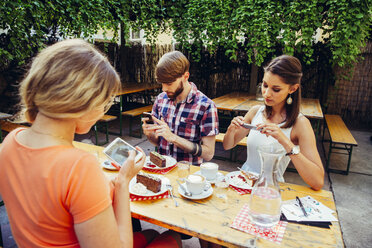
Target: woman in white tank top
<point x="280" y="121"/>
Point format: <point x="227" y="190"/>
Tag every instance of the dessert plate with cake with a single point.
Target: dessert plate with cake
<point x="144" y="184"/>
<point x="240" y="180"/>
<point x="159" y="162"/>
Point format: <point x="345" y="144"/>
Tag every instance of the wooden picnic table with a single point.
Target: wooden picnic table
<point x="130" y="89"/>
<point x="3" y="116"/>
<point x="134" y="88"/>
<point x="210" y="219"/>
<point x="230" y="101"/>
<point x="235" y="102"/>
<point x="243" y="102"/>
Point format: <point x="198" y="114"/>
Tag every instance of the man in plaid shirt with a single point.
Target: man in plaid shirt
<point x="186" y="120"/>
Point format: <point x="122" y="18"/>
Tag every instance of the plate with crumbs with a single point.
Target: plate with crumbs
<point x="140" y="190"/>
<point x="169" y="162"/>
<point x="236" y="179"/>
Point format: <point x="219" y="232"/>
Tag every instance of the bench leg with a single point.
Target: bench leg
<point x="329" y="155"/>
<point x="349" y="160"/>
<point x="96" y="134"/>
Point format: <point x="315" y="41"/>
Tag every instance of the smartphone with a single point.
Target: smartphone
<point x="249" y="126"/>
<point x="118" y="151"/>
<point x="148" y="115"/>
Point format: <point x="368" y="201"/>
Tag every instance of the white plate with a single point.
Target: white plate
<point x="108" y="166"/>
<point x="213" y="181"/>
<point x="163" y="189"/>
<point x="169" y="162"/>
<point x="233" y="174"/>
<point x="204" y="194"/>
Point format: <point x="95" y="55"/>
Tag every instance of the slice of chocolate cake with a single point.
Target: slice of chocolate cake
<point x="157" y="159"/>
<point x="151" y="182"/>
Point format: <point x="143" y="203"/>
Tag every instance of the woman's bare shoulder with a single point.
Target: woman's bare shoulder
<point x="302" y="125"/>
<point x="251" y="113"/>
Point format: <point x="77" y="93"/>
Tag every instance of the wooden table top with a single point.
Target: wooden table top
<point x="311" y="108"/>
<point x="134" y="88"/>
<point x="231" y="100"/>
<point x="209" y="218"/>
<point x="242" y="102"/>
<point x="4" y="116"/>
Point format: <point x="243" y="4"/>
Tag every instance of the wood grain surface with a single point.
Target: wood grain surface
<point x="133" y="88"/>
<point x="231" y="100"/>
<point x="235" y="101"/>
<point x="210" y="218"/>
<point x="338" y="130"/>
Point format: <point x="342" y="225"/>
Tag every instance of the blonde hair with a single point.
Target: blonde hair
<point x="171" y="66"/>
<point x="66" y="80"/>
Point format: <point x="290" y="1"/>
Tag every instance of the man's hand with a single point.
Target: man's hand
<point x="162" y="129"/>
<point x="148" y="129"/>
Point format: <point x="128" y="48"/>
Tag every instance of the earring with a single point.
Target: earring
<point x="289" y="99"/>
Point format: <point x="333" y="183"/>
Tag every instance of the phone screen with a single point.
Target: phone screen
<point x="119" y="151"/>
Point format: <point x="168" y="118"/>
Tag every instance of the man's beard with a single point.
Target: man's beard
<point x="178" y="91"/>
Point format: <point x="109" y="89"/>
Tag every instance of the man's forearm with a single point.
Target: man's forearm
<point x="182" y="143"/>
<point x="206" y="151"/>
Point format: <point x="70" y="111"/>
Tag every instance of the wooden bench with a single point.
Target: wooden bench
<point x="133" y="113"/>
<point x="105" y="119"/>
<point x="8" y="126"/>
<point x="233" y="151"/>
<point x="339" y="138"/>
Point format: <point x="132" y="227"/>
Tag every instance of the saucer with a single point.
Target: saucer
<point x="108" y="166"/>
<point x="203" y="195"/>
<point x="213" y="181"/>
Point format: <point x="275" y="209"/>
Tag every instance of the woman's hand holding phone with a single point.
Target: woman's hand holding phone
<point x="130" y="168"/>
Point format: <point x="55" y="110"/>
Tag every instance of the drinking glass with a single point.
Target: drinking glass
<point x="259" y="96"/>
<point x="221" y="188"/>
<point x="183" y="170"/>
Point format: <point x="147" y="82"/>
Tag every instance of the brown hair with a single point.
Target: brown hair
<point x="66" y="80"/>
<point x="290" y="70"/>
<point x="171" y="66"/>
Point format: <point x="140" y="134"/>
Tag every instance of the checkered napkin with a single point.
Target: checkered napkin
<point x="160" y="171"/>
<point x="145" y="198"/>
<point x="242" y="223"/>
<point x="240" y="190"/>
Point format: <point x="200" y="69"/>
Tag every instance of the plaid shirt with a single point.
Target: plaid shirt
<point x="191" y="119"/>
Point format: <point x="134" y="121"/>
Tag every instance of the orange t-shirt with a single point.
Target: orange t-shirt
<point x="47" y="190"/>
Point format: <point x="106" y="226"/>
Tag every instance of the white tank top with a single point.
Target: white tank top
<point x="256" y="139"/>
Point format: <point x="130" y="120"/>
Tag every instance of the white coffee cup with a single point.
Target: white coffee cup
<point x="209" y="170"/>
<point x="195" y="184"/>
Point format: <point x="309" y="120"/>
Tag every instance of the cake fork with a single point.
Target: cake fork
<point x="170" y="191"/>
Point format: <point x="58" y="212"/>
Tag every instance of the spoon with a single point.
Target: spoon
<point x="187" y="193"/>
<point x="170" y="191"/>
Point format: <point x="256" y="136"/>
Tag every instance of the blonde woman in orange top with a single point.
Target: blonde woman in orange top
<point x="56" y="194"/>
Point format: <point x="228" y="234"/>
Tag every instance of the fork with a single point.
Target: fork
<point x="170" y="191"/>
